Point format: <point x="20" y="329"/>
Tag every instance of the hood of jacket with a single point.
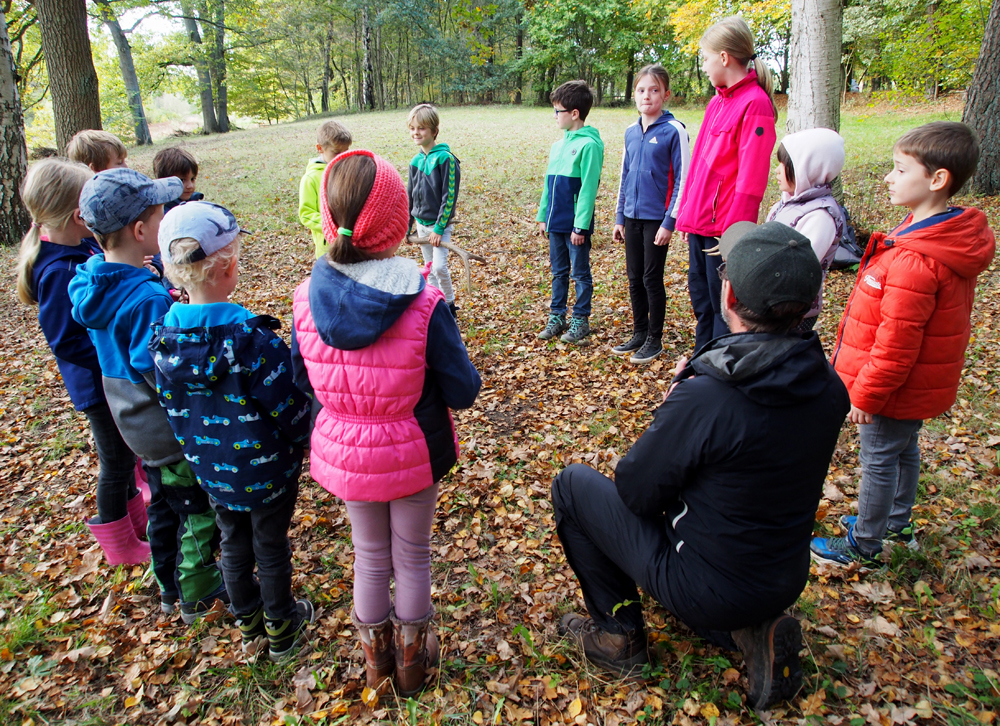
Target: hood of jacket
<point x="352" y="305"/>
<point x="966" y="244"/>
<point x="817" y="157"/>
<point x="588" y="132"/>
<point x="771" y="370"/>
<point x="99" y="289"/>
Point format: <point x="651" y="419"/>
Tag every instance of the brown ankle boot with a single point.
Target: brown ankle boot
<point x="622" y="654"/>
<point x="376" y="642"/>
<point x="416" y="651"/>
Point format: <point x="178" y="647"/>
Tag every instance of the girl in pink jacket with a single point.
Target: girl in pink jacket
<point x="380" y="351"/>
<point x="730" y="163"/>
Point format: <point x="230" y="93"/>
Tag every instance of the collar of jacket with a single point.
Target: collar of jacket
<point x="732" y="90"/>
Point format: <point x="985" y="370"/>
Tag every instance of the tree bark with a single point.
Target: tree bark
<point x="14" y="219"/>
<point x="518" y="54"/>
<point x="209" y="123"/>
<point x="76" y="100"/>
<point x="129" y="76"/>
<point x="817" y="37"/>
<point x="324" y="99"/>
<point x="368" y="71"/>
<point x="218" y="55"/>
<point x="982" y="107"/>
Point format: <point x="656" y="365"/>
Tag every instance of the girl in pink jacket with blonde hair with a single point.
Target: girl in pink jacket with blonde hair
<point x="380" y="351"/>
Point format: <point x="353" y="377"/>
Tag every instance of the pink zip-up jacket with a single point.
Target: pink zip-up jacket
<point x="731" y="161"/>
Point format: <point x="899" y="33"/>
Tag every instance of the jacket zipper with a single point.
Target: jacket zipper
<point x="840" y="338"/>
<point x="715" y="202"/>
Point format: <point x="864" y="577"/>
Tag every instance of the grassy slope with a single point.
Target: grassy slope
<point x="500" y="580"/>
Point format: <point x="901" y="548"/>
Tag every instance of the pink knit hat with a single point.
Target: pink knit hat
<point x="385" y="215"/>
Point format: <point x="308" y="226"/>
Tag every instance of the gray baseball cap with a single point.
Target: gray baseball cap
<point x="212" y="225"/>
<point x="116" y="197"/>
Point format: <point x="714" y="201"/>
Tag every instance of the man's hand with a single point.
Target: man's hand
<point x="577" y="239"/>
<point x="663" y="236"/>
<point x="857" y="416"/>
<point x="619" y="234"/>
<point x="541" y="228"/>
<point x="677" y="371"/>
<point x="435" y="239"/>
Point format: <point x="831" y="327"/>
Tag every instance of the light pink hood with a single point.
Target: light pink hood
<point x="817" y="157"/>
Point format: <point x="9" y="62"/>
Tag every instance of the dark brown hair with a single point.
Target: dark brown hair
<point x="347" y="190"/>
<point x="574" y="95"/>
<point x="780" y="318"/>
<point x="656" y="71"/>
<point x="174" y="161"/>
<point x="786" y="161"/>
<point x="947" y="145"/>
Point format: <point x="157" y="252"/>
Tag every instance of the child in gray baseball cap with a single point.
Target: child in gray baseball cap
<point x="117" y="299"/>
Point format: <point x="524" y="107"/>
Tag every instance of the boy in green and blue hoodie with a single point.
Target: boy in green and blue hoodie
<point x="566" y="212"/>
<point x="117" y="299"/>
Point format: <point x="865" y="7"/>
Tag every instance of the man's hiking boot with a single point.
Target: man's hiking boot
<point x="253" y="632"/>
<point x="377" y="645"/>
<point x="284" y="636"/>
<point x="623" y="655"/>
<point x="555" y="326"/>
<point x="771" y="654"/>
<point x="579" y="328"/>
<point x="906" y="536"/>
<point x="416" y="652"/>
<point x="648" y="352"/>
<point x="843" y="551"/>
<point x="631" y="345"/>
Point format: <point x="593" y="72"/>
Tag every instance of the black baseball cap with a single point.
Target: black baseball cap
<point x="769" y="264"/>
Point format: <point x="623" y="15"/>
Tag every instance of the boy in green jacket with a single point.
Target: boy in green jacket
<point x="566" y="211"/>
<point x="332" y="138"/>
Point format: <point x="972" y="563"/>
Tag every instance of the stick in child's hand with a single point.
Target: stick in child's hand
<point x="464" y="254"/>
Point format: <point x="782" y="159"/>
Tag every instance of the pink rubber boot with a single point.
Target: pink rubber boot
<point x="142" y="483"/>
<point x="119" y="542"/>
<point x="137" y="514"/>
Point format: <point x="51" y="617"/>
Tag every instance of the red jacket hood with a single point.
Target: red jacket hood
<point x="965" y="244"/>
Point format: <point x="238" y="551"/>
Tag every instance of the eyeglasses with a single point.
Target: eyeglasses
<point x="562" y="110"/>
<point x="722" y="270"/>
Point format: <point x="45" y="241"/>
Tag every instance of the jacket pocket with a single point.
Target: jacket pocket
<point x="715" y="201"/>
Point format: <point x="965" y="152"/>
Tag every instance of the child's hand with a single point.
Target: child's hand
<point x="682" y="237"/>
<point x="857" y="416"/>
<point x="619" y="234"/>
<point x="435" y="239"/>
<point x="180" y="296"/>
<point x="541" y="228"/>
<point x="147" y="262"/>
<point x="577" y="239"/>
<point x="662" y="237"/>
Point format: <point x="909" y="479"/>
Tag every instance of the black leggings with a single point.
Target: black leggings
<point x="116" y="482"/>
<point x="644" y="263"/>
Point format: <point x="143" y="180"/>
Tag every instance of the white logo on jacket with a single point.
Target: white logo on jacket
<point x="872" y="282"/>
<point x="653" y="140"/>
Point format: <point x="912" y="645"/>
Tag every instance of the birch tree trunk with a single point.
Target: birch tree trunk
<point x="817" y="39"/>
<point x="982" y="107"/>
<point x="129" y="76"/>
<point x="76" y="100"/>
<point x="14" y="218"/>
<point x="368" y="71"/>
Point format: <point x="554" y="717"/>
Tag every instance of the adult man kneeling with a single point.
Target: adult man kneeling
<point x="711" y="511"/>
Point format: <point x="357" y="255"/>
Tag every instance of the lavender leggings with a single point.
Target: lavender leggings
<point x="393" y="538"/>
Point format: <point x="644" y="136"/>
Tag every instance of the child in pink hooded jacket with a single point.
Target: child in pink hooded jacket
<point x="381" y="352"/>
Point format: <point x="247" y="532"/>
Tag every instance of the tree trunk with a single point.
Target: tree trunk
<point x="368" y="70"/>
<point x="209" y="123"/>
<point x="14" y="219"/>
<point x="324" y="99"/>
<point x="817" y="37"/>
<point x="518" y="54"/>
<point x="784" y="57"/>
<point x="76" y="100"/>
<point x="129" y="76"/>
<point x="216" y="12"/>
<point x="630" y="76"/>
<point x="982" y="107"/>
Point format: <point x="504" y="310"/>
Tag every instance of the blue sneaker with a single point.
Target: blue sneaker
<point x="905" y="536"/>
<point x="842" y="551"/>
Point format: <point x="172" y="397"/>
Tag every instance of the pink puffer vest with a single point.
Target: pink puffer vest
<point x="367" y="444"/>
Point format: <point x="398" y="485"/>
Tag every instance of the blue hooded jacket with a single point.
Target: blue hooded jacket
<point x="225" y="380"/>
<point x="654" y="166"/>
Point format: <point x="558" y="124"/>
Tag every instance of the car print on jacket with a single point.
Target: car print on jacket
<point x="202" y="440"/>
<point x="282" y="406"/>
<point x="185" y="412"/>
<point x="209" y="420"/>
<point x="273" y="375"/>
<point x="260" y="485"/>
<point x="235" y="399"/>
<point x="264" y="459"/>
<point x="222" y="466"/>
<point x="251" y="417"/>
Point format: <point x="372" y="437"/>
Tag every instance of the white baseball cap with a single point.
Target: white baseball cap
<point x="212" y="225"/>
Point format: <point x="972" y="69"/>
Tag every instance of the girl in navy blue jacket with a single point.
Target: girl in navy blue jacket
<point x="654" y="164"/>
<point x="57" y="242"/>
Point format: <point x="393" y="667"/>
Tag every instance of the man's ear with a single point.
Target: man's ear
<point x="730" y="296"/>
<point x="940" y="179"/>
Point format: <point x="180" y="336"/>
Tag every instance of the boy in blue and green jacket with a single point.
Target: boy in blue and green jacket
<point x="566" y="212"/>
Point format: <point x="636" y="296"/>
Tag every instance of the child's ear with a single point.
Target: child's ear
<point x="940" y="179"/>
<point x="319" y="148"/>
<point x="724" y="57"/>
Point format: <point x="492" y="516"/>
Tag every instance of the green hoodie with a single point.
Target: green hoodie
<point x="571" y="181"/>
<point x="309" y="203"/>
<point x="432" y="186"/>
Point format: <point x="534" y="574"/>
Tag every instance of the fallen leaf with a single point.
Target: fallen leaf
<point x="574" y="708"/>
<point x="882" y="626"/>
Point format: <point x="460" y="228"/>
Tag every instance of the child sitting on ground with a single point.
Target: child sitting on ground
<point x="901" y="345"/>
<point x="118" y="299"/>
<point x="178" y="162"/>
<point x="225" y="379"/>
<point x="332" y="138"/>
<point x="808" y="162"/>
<point x="382" y="353"/>
<point x="434" y="177"/>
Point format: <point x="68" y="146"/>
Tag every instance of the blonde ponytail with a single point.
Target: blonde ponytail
<point x="51" y="193"/>
<point x="733" y="36"/>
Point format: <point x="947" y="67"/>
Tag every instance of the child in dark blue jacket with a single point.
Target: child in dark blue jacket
<point x="57" y="242"/>
<point x="225" y="379"/>
<point x="654" y="164"/>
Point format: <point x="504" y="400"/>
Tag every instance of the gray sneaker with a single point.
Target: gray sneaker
<point x="648" y="352"/>
<point x="579" y="328"/>
<point x="555" y="326"/>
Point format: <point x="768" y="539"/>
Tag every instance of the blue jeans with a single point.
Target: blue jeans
<point x="705" y="289"/>
<point x="564" y="256"/>
<point x="890" y="472"/>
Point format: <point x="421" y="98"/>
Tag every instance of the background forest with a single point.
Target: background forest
<point x="265" y="61"/>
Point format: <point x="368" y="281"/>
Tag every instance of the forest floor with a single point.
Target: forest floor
<point x="918" y="641"/>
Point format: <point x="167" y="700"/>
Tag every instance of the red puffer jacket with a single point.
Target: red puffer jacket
<point x="901" y="344"/>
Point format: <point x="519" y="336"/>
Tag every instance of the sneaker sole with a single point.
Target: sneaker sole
<point x="862" y="566"/>
<point x="785" y="642"/>
<point x="650" y="359"/>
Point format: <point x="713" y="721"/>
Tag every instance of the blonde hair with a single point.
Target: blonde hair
<point x="732" y="35"/>
<point x="195" y="274"/>
<point x="333" y="135"/>
<point x="424" y="116"/>
<point x="51" y="193"/>
<point x="96" y="148"/>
